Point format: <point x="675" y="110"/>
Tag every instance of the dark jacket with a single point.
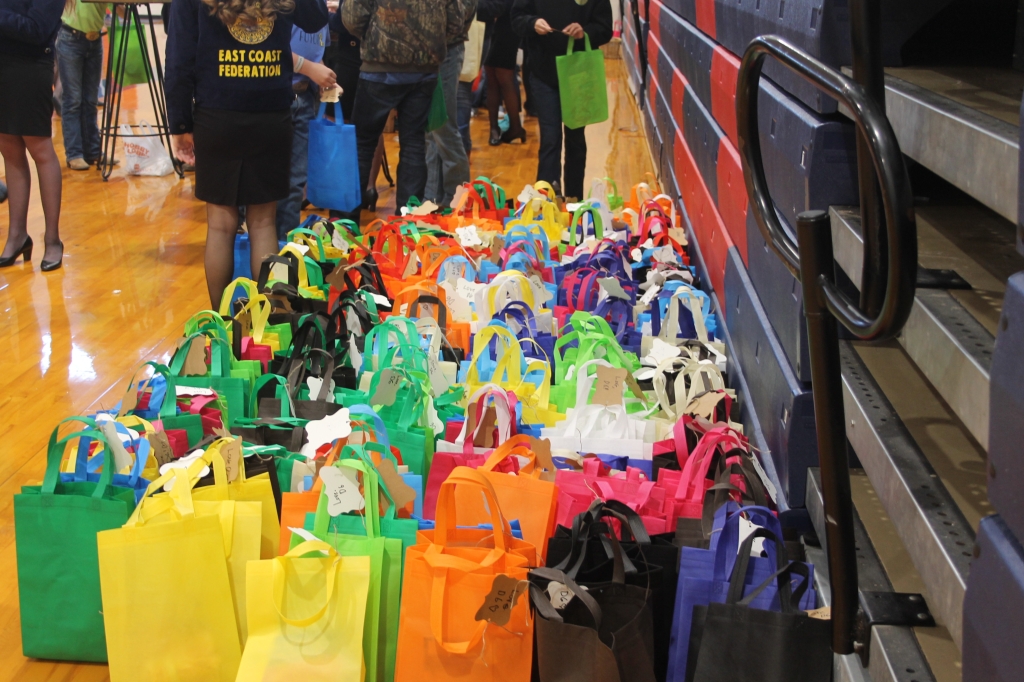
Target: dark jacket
<point x="595" y="16"/>
<point x="208" y="64"/>
<point x="29" y="27"/>
<point x="404" y="36"/>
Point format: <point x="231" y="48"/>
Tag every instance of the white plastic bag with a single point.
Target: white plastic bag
<point x="144" y="152"/>
<point x="474" y="52"/>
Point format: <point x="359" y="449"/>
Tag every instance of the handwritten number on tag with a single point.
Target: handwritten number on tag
<point x="499" y="602"/>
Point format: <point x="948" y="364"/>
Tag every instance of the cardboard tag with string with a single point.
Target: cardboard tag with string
<point x="401" y="492"/>
<point x="387" y="388"/>
<point x="195" y="359"/>
<point x="542" y="449"/>
<point x="609" y="386"/>
<point x="499" y="602"/>
<point x="230" y="451"/>
<point x="162" y="451"/>
<point x="485" y="436"/>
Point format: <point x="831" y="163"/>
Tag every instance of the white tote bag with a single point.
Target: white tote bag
<point x="606" y="430"/>
<point x="474" y="52"/>
<point x="144" y="152"/>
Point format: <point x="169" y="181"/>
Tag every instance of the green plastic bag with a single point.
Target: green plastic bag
<point x="55" y="527"/>
<point x="380" y="636"/>
<point x="582" y="86"/>
<point x="438" y="114"/>
<point x="135" y="61"/>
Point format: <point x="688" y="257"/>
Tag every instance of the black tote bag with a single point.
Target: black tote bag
<point x="735" y="642"/>
<point x="606" y="627"/>
<point x="651" y="562"/>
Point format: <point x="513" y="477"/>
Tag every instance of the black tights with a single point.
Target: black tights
<point x="501" y="86"/>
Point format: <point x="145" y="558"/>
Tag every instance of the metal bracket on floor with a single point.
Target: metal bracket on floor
<point x="940" y="278"/>
<point x="904" y="609"/>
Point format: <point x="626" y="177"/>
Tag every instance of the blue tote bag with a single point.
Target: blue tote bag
<point x="704" y="576"/>
<point x="333" y="174"/>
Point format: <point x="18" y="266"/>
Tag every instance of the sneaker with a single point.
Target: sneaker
<point x="78" y="164"/>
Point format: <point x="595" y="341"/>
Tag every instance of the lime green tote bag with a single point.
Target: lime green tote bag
<point x="582" y="86"/>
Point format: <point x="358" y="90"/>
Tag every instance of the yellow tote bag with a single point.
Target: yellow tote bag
<point x="242" y="489"/>
<point x="167" y="608"/>
<point x="306" y="616"/>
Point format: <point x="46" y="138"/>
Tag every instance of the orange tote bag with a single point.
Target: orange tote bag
<point x="449" y="574"/>
<point x="525" y="497"/>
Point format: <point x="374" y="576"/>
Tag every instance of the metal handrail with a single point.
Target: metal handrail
<point x="824" y="302"/>
<point x="897" y="197"/>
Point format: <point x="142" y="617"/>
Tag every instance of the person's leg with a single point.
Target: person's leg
<point x="221" y="228"/>
<point x="464" y="112"/>
<point x="259" y="218"/>
<point x="510" y="96"/>
<point x="19" y="187"/>
<point x="455" y="163"/>
<point x="48" y="170"/>
<point x="71" y="58"/>
<point x="92" y="69"/>
<point x="575" y="162"/>
<point x="374" y="102"/>
<point x="548" y="108"/>
<point x="412" y="119"/>
<point x="493" y="102"/>
<point x="435" y="169"/>
<point x="288" y="209"/>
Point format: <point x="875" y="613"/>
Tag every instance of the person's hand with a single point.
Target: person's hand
<point x="333" y="5"/>
<point x="320" y="74"/>
<point x="542" y="27"/>
<point x="574" y="31"/>
<point x="184" y="148"/>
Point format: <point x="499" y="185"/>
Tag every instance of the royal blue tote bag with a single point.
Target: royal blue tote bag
<point x="333" y="173"/>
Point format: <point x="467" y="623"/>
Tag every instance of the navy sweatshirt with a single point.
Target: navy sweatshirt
<point x="29" y="27"/>
<point x="238" y="68"/>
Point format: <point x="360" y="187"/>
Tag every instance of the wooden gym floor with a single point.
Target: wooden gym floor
<point x="132" y="275"/>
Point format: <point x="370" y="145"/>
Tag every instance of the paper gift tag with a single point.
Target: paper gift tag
<point x="649" y="295"/>
<point x="426" y="208"/>
<point x="354" y="355"/>
<point x="342" y="492"/>
<point x="609" y="386"/>
<point x="499" y="602"/>
<point x="559" y="594"/>
<point x="320" y="432"/>
<point x="458" y="307"/>
<point x="438" y="383"/>
<point x="768" y="485"/>
<point x="660" y="351"/>
<point x="665" y="254"/>
<point x="387" y="388"/>
<point x="613" y="287"/>
<point x="115" y="447"/>
<point x="412" y="266"/>
<point x="542" y="449"/>
<point x="232" y="454"/>
<point x="195" y="360"/>
<point x="485" y="436"/>
<point x="541" y="295"/>
<point x="678" y="235"/>
<point x="460" y="191"/>
<point x="468" y="237"/>
<point x="400" y="491"/>
<point x="338" y="240"/>
<point x="316" y="383"/>
<point x="161" y="448"/>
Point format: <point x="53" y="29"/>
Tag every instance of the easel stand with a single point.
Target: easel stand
<point x="116" y="66"/>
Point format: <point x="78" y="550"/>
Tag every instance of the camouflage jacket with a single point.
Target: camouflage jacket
<point x="406" y="35"/>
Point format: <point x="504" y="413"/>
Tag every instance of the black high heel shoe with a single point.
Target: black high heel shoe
<point x="51" y="265"/>
<point x="508" y="138"/>
<point x="25" y="250"/>
<point x="370" y="199"/>
<point x="496" y="137"/>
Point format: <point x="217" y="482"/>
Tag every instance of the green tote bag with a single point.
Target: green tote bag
<point x="55" y="526"/>
<point x="582" y="86"/>
<point x="437" y="115"/>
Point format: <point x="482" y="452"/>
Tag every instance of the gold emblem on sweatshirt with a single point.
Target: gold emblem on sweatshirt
<point x="248" y="32"/>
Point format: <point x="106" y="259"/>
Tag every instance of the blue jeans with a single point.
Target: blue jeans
<point x="374" y="102"/>
<point x="303" y="110"/>
<point x="548" y="107"/>
<point x="447" y="163"/>
<point x="465" y="112"/>
<point x="80" y="63"/>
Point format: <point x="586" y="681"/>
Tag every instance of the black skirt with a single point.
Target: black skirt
<point x="242" y="157"/>
<point x="30" y="111"/>
<point x="504" y="46"/>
